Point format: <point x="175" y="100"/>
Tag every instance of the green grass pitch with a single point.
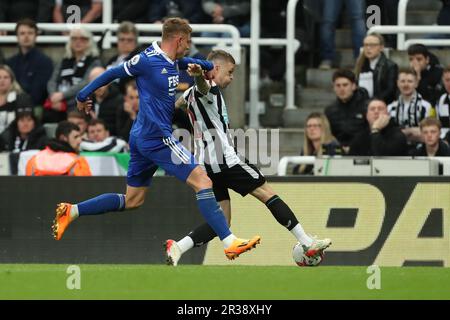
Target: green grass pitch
<point x="37" y="281"/>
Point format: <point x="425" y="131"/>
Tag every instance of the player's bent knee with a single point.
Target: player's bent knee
<point x="199" y="180"/>
<point x="134" y="198"/>
<point x="133" y="203"/>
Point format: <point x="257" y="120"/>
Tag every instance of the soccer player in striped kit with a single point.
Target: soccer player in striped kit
<point x="214" y="150"/>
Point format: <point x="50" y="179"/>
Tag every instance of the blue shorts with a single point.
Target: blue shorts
<point x="146" y="155"/>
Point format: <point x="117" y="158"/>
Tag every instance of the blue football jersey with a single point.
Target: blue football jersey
<point x="157" y="77"/>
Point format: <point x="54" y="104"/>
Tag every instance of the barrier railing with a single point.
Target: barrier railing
<point x="401" y="21"/>
<point x="411" y="29"/>
<point x="310" y="160"/>
<point x="401" y="29"/>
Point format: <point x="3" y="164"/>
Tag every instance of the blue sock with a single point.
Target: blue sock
<point x="212" y="213"/>
<point x="104" y="203"/>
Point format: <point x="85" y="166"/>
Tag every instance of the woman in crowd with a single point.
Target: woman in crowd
<point x="24" y="133"/>
<point x="318" y="141"/>
<point x="374" y="71"/>
<point x="71" y="75"/>
<point x="12" y="97"/>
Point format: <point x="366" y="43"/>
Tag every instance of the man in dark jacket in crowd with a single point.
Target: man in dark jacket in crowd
<point x="432" y="146"/>
<point x="32" y="68"/>
<point x="429" y="72"/>
<point x="381" y="136"/>
<point x="346" y="115"/>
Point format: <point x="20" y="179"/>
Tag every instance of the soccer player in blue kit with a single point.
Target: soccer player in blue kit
<point x="151" y="141"/>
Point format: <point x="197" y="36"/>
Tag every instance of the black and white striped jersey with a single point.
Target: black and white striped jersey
<point x="409" y="114"/>
<point x="443" y="113"/>
<point x="213" y="143"/>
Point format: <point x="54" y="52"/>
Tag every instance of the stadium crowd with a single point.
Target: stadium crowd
<point x="380" y="110"/>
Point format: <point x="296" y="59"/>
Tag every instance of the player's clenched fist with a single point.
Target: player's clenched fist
<point x="194" y="70"/>
<point x="85" y="106"/>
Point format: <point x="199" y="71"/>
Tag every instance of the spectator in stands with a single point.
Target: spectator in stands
<point x="15" y="10"/>
<point x="428" y="70"/>
<point x="81" y="120"/>
<point x="432" y="145"/>
<point x="106" y="100"/>
<point x="443" y="18"/>
<point x="409" y="108"/>
<point x="70" y="75"/>
<point x="443" y="106"/>
<point x="12" y="97"/>
<point x="331" y="12"/>
<point x="375" y="72"/>
<point x="131" y="10"/>
<point x="61" y="155"/>
<point x="99" y="139"/>
<point x="91" y="11"/>
<point x="32" y="68"/>
<point x="128" y="112"/>
<point x="190" y="10"/>
<point x="317" y="141"/>
<point x="24" y="133"/>
<point x="235" y="12"/>
<point x="346" y="115"/>
<point x="381" y="136"/>
<point x="127" y="44"/>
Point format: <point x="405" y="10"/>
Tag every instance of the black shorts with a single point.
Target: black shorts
<point x="242" y="178"/>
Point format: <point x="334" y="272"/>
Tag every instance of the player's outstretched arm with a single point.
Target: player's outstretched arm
<point x="183" y="63"/>
<point x="102" y="80"/>
<point x="195" y="70"/>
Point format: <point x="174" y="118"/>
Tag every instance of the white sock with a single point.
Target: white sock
<point x="228" y="240"/>
<point x="185" y="244"/>
<point x="74" y="212"/>
<point x="301" y="236"/>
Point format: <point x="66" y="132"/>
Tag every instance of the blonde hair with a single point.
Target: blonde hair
<point x="430" y="121"/>
<point x="221" y="55"/>
<point x="175" y="26"/>
<point x="15" y="86"/>
<point x="362" y="58"/>
<point x="327" y="137"/>
<point x="91" y="50"/>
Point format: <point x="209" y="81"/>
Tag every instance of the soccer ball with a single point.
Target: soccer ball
<point x="302" y="260"/>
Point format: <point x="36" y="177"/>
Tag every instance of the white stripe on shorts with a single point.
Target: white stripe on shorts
<point x="250" y="171"/>
<point x="176" y="151"/>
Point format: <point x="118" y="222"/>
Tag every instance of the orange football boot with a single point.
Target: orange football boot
<point x="240" y="246"/>
<point x="62" y="220"/>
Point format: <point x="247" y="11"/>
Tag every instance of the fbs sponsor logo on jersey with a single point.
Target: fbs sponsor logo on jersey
<point x="173" y="83"/>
